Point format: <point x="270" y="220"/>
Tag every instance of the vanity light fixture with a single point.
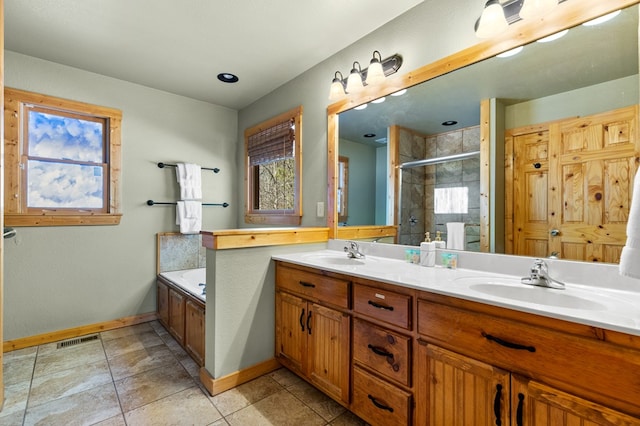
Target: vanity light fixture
<point x="378" y="70"/>
<point x="553" y="37"/>
<point x="492" y="21"/>
<point x="496" y="16"/>
<point x="602" y="19"/>
<point x="375" y="74"/>
<point x="511" y="52"/>
<point x="337" y="87"/>
<point x="354" y="82"/>
<point x="536" y="8"/>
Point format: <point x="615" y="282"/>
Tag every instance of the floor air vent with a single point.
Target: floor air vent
<point x="79" y="340"/>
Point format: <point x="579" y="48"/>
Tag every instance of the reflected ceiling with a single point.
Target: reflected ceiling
<point x="584" y="57"/>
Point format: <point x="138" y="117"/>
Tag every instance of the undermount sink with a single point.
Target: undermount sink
<point x="513" y="289"/>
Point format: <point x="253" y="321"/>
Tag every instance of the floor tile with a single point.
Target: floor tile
<point x="348" y="419"/>
<point x="84" y="408"/>
<point x="285" y="377"/>
<point x="326" y="407"/>
<point x="245" y="394"/>
<point x="141" y="389"/>
<point x="132" y="363"/>
<point x="281" y="409"/>
<point x="126" y="331"/>
<point x="15" y="400"/>
<point x="19" y="354"/>
<point x="189" y="407"/>
<point x="68" y="382"/>
<point x="12" y="419"/>
<point x="131" y="342"/>
<point x="18" y="370"/>
<point x="51" y="361"/>
<point x="113" y="421"/>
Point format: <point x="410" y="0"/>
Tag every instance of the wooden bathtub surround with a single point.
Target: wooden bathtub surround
<point x="421" y="358"/>
<point x="70" y="333"/>
<point x="183" y="315"/>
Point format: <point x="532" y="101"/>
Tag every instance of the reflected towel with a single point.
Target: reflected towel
<point x="455" y="235"/>
<point x="189" y="216"/>
<point x="630" y="257"/>
<point x="189" y="178"/>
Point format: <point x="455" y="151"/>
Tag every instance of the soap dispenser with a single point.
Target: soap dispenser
<point x="439" y="243"/>
<point x="427" y="251"/>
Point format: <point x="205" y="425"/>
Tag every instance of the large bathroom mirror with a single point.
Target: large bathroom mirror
<point x="594" y="68"/>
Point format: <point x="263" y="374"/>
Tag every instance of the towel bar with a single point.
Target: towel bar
<point x="152" y="203"/>
<point x="163" y="165"/>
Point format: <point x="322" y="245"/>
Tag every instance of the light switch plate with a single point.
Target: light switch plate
<point x="320" y="209"/>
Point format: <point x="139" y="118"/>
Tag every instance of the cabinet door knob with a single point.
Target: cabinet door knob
<point x="554" y="232"/>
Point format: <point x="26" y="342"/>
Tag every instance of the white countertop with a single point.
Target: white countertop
<point x="603" y="307"/>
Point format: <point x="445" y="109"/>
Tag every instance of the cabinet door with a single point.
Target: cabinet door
<point x="194" y="331"/>
<point x="456" y="390"/>
<point x="536" y="404"/>
<point x="328" y="357"/>
<point x="291" y="331"/>
<point x="176" y="315"/>
<point x="163" y="303"/>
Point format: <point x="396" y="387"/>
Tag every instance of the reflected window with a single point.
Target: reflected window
<point x="343" y="188"/>
<point x="451" y="200"/>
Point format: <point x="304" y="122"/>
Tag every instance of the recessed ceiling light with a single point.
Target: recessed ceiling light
<point x="369" y="135"/>
<point x="553" y="37"/>
<point x="602" y="19"/>
<point x="361" y="107"/>
<point x="450" y="123"/>
<point x="227" y="77"/>
<point x="379" y="100"/>
<point x="399" y="92"/>
<point x="510" y="52"/>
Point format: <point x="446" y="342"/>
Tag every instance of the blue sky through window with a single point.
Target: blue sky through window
<point x="59" y="184"/>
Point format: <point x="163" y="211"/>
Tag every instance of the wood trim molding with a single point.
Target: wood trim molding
<point x="259" y="237"/>
<point x="55" y="336"/>
<point x="215" y="386"/>
<point x="369" y="231"/>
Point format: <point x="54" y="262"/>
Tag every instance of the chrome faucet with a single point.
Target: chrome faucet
<point x="353" y="250"/>
<point x="540" y="276"/>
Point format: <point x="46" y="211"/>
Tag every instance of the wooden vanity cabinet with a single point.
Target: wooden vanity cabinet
<point x="547" y="376"/>
<point x="312" y="332"/>
<point x="382" y="354"/>
<point x="176" y="314"/>
<point x="163" y="303"/>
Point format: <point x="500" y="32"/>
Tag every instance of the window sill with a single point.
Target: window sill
<point x="13" y="219"/>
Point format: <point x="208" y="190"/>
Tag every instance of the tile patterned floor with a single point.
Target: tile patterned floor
<point x="139" y="375"/>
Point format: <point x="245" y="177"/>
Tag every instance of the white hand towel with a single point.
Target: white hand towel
<point x="189" y="177"/>
<point x="455" y="235"/>
<point x="630" y="256"/>
<point x="189" y="216"/>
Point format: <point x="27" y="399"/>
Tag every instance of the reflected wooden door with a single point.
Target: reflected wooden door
<point x="572" y="186"/>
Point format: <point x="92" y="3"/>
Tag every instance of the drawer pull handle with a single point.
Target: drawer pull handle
<point x="380" y="406"/>
<point x="496" y="404"/>
<point x="306" y="284"/>
<point x="309" y="322"/>
<point x="507" y="344"/>
<point x="380" y="351"/>
<point x="379" y="306"/>
<point x="301" y="319"/>
<point x="519" y="412"/>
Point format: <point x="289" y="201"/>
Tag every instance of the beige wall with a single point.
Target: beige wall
<point x="63" y="277"/>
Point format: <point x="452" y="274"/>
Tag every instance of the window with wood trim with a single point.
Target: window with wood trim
<point x="273" y="161"/>
<point x="62" y="161"/>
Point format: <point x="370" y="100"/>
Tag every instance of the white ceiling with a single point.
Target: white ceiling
<point x="180" y="46"/>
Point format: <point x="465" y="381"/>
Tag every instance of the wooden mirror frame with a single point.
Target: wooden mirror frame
<point x="568" y="14"/>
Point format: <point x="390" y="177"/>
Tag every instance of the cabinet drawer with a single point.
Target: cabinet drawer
<point x="313" y="286"/>
<point x="383" y="305"/>
<point x="378" y="402"/>
<point x="383" y="351"/>
<point x="590" y="368"/>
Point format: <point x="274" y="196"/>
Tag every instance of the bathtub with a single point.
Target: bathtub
<point x="189" y="280"/>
